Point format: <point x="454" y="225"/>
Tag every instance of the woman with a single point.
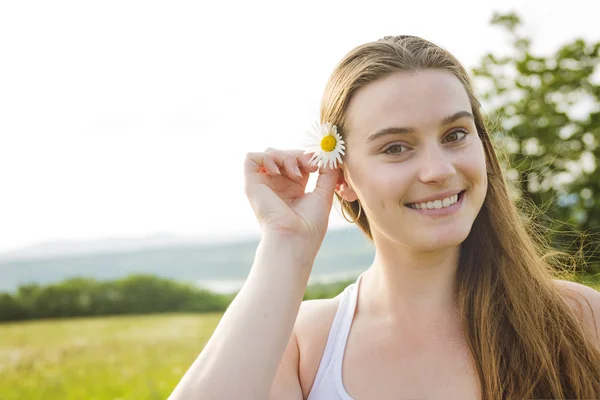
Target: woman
<point x="458" y="303"/>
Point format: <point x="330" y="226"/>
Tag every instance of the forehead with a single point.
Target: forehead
<point x="416" y="99"/>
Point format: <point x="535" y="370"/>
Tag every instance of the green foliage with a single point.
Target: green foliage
<point x="11" y="309"/>
<point x="548" y="111"/>
<point x="137" y="294"/>
<point x="326" y="291"/>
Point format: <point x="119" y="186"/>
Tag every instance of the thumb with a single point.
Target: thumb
<point x="326" y="183"/>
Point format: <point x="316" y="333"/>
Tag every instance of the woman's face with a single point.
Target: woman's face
<point x="411" y="137"/>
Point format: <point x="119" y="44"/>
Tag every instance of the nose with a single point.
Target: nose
<point x="436" y="166"/>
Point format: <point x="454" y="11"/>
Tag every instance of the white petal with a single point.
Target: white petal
<point x="313" y="145"/>
<point x="312" y="135"/>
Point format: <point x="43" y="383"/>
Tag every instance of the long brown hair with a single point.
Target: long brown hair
<point x="525" y="339"/>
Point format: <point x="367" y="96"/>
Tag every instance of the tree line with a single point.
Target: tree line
<point x="136" y="294"/>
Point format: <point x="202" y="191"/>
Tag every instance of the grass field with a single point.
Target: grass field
<point x="132" y="357"/>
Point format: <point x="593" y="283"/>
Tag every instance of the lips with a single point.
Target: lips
<point x="439" y="196"/>
<point x="425" y="201"/>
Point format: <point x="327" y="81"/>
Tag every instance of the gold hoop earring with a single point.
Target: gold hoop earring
<point x="344" y="214"/>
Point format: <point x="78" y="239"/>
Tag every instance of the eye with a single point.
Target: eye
<point x="456" y="134"/>
<point x="394" y="149"/>
<point x="452" y="137"/>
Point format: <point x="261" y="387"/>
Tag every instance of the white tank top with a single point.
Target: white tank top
<point x="328" y="384"/>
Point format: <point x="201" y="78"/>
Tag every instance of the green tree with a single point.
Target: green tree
<point x="136" y="294"/>
<point x="11" y="309"/>
<point x="545" y="111"/>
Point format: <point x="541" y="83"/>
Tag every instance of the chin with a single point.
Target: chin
<point x="440" y="240"/>
<point x="428" y="247"/>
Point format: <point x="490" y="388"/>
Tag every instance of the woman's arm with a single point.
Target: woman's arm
<point x="242" y="357"/>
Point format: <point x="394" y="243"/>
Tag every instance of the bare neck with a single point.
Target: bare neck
<point x="411" y="288"/>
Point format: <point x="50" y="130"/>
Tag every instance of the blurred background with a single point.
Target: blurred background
<point x="124" y="230"/>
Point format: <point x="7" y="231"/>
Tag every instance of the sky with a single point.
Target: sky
<point x="130" y="118"/>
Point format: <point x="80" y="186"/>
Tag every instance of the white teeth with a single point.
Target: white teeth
<point x="436" y="204"/>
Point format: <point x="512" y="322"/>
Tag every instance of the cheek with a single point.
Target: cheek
<point x="474" y="165"/>
<point x="387" y="183"/>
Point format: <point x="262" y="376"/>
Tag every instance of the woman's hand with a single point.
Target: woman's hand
<point x="275" y="186"/>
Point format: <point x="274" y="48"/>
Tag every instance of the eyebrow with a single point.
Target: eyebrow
<point x="402" y="130"/>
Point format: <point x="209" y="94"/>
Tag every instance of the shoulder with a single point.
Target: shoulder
<point x="315" y="317"/>
<point x="312" y="330"/>
<point x="585" y="301"/>
<point x="311" y="310"/>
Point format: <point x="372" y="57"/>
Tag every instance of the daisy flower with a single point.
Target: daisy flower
<point x="326" y="144"/>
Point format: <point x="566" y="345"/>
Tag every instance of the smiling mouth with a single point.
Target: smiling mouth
<point x="460" y="195"/>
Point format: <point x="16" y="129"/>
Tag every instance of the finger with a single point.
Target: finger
<point x="287" y="162"/>
<point x="277" y="155"/>
<point x="253" y="163"/>
<point x="292" y="169"/>
<point x="270" y="165"/>
<point x="292" y="163"/>
<point x="326" y="183"/>
<point x="305" y="164"/>
<point x="260" y="162"/>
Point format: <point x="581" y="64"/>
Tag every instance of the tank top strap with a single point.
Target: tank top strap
<point x="330" y="367"/>
<point x="344" y="333"/>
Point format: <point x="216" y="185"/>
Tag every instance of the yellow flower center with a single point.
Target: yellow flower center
<point x="328" y="143"/>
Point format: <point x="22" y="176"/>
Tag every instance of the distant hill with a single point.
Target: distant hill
<point x="112" y="245"/>
<point x="344" y="253"/>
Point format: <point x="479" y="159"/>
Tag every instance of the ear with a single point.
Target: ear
<point x="344" y="188"/>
